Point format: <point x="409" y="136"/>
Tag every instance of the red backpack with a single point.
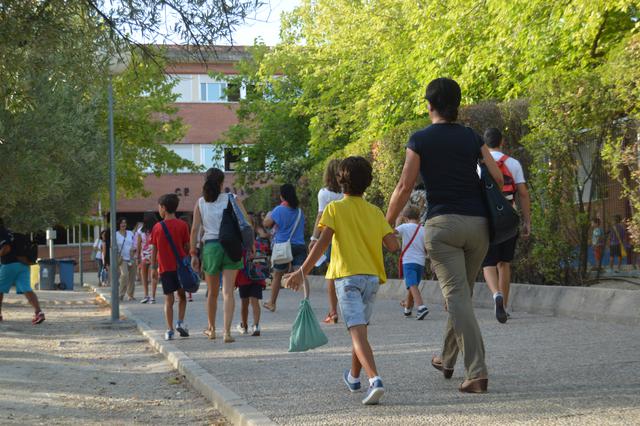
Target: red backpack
<point x="509" y="187"/>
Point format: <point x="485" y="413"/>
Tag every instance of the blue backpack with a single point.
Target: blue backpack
<point x="187" y="277"/>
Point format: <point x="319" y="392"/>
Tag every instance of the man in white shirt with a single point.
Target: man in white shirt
<point x="497" y="263"/>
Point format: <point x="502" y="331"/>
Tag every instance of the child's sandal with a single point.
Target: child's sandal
<point x="210" y="333"/>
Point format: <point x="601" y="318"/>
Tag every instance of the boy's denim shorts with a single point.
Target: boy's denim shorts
<point x="356" y="295"/>
<point x="412" y="274"/>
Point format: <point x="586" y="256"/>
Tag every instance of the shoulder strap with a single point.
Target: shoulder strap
<point x="503" y="158"/>
<point x="170" y="240"/>
<point x="410" y="241"/>
<point x="295" y="225"/>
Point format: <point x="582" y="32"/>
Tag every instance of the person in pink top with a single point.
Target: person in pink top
<point x="144" y="258"/>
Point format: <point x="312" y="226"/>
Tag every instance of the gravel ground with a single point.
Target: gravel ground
<point x="76" y="368"/>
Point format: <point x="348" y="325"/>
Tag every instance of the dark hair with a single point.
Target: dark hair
<point x="444" y="95"/>
<point x="169" y="202"/>
<point x="493" y="137"/>
<point x="412" y="213"/>
<point x="288" y="193"/>
<point x="212" y="183"/>
<point x="148" y="220"/>
<point x="104" y="234"/>
<point x="330" y="176"/>
<point x="120" y="220"/>
<point x="354" y="175"/>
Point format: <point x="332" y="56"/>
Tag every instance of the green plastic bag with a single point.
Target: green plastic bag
<point x="306" y="332"/>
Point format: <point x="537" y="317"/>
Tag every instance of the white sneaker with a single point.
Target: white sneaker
<point x="242" y="329"/>
<point x="256" y="330"/>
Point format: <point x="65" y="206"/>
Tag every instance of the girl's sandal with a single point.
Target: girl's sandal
<point x="228" y="338"/>
<point x="210" y="333"/>
<point x="269" y="307"/>
<point x="331" y="318"/>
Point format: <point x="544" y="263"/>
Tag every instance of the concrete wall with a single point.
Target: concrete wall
<point x="620" y="306"/>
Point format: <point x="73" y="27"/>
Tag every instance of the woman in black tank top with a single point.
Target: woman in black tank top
<point x="446" y="154"/>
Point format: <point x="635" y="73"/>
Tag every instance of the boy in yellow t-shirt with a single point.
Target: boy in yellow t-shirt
<point x="357" y="231"/>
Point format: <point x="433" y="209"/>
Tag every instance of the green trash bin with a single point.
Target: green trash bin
<point x="66" y="268"/>
<point x="47" y="274"/>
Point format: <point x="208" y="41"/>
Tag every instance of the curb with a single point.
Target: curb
<point x="231" y="405"/>
<point x="596" y="304"/>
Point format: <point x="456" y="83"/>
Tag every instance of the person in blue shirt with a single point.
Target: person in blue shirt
<point x="288" y="222"/>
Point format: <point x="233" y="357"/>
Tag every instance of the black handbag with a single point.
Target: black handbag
<point x="504" y="220"/>
<point x="230" y="236"/>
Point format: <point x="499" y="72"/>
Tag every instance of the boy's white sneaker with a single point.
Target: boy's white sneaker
<point x="256" y="330"/>
<point x="242" y="329"/>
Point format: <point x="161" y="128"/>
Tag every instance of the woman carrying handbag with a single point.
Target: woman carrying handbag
<point x="288" y="241"/>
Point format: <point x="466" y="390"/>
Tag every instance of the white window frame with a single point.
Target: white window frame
<point x="186" y="79"/>
<point x="218" y="163"/>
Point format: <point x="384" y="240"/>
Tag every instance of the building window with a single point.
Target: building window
<point x="213" y="92"/>
<point x="231" y="159"/>
<point x="183" y="88"/>
<point x="183" y="151"/>
<point x="210" y="156"/>
<point x="233" y="92"/>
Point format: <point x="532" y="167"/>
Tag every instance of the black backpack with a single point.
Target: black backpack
<point x="230" y="236"/>
<point x="22" y="246"/>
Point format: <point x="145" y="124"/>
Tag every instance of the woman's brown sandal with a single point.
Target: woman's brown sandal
<point x="210" y="333"/>
<point x="437" y="364"/>
<point x="474" y="385"/>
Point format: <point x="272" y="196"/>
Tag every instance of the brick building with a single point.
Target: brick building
<point x="208" y="108"/>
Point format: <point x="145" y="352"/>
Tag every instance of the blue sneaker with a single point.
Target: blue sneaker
<point x="182" y="329"/>
<point x="501" y="314"/>
<point x="353" y="387"/>
<point x="374" y="394"/>
<point x="169" y="334"/>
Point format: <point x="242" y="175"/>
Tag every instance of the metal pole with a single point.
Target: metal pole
<point x="113" y="255"/>
<point x="80" y="256"/>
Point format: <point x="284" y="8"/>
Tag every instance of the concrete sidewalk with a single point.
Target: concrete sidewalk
<point x="543" y="369"/>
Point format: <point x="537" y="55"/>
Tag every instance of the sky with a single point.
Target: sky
<point x="265" y="23"/>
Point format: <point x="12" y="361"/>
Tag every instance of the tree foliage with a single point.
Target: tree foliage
<point x="357" y="73"/>
<point x="53" y="98"/>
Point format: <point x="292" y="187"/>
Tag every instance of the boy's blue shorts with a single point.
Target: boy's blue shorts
<point x="356" y="295"/>
<point x="412" y="273"/>
<point x="15" y="273"/>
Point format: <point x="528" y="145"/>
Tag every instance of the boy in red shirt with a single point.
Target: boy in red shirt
<point x="162" y="256"/>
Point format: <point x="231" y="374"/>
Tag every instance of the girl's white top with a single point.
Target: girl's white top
<point x="325" y="197"/>
<point x="211" y="214"/>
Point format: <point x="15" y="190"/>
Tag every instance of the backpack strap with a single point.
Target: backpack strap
<point x="502" y="159"/>
<point x="171" y="243"/>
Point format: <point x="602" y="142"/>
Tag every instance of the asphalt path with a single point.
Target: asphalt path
<point x="542" y="369"/>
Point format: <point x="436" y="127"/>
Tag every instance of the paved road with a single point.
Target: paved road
<point x="543" y="370"/>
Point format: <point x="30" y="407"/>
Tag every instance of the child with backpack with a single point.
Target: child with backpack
<point x="250" y="282"/>
<point x="163" y="258"/>
<point x="16" y="254"/>
<point x="412" y="260"/>
<point x="357" y="231"/>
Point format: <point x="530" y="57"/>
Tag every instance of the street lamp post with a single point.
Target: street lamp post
<point x="113" y="255"/>
<point x="116" y="66"/>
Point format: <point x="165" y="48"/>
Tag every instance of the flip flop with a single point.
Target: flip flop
<point x="269" y="307"/>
